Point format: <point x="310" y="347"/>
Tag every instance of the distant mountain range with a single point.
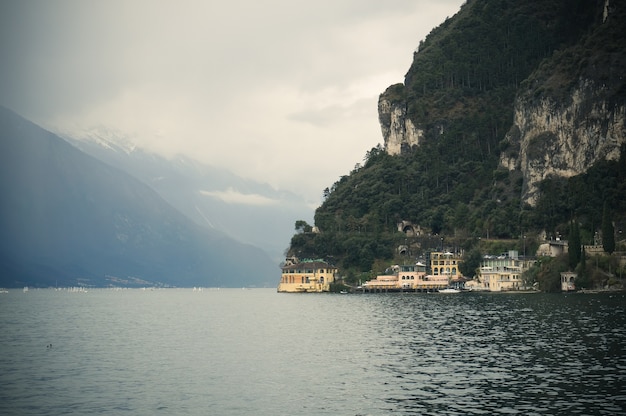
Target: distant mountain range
<point x="246" y="210"/>
<point x="67" y="218"/>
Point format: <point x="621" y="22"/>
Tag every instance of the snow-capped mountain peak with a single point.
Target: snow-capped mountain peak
<point x="105" y="137"/>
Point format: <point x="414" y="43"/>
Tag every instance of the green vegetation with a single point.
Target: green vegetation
<point x="608" y="232"/>
<point x="592" y="272"/>
<point x="460" y="90"/>
<point x="574" y="247"/>
<point x="583" y="197"/>
<point x="583" y="280"/>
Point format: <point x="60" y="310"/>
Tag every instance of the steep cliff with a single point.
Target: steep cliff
<point x="502" y="108"/>
<point x="399" y="132"/>
<point x="549" y="72"/>
<point x="570" y="113"/>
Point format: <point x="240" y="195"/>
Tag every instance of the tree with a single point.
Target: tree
<point x="608" y="233"/>
<point x="471" y="262"/>
<point x="574" y="245"/>
<point x="529" y="277"/>
<point x="549" y="274"/>
<point x="303" y="227"/>
<point x="436" y="223"/>
<point x="326" y="193"/>
<point x="582" y="280"/>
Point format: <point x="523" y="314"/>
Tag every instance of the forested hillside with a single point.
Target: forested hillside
<point x="460" y="91"/>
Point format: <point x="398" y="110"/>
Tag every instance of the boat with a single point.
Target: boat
<point x="449" y="290"/>
<point x="343" y="292"/>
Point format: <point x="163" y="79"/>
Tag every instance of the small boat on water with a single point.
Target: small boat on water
<point x="449" y="290"/>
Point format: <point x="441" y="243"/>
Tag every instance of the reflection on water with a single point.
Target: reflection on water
<point x="234" y="352"/>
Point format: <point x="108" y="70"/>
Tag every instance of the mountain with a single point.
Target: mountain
<point x="510" y="121"/>
<point x="570" y="113"/>
<point x="246" y="210"/>
<point x="67" y="218"/>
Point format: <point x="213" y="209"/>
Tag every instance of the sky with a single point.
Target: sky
<point x="284" y="92"/>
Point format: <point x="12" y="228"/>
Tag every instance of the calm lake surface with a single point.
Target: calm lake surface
<point x="257" y="352"/>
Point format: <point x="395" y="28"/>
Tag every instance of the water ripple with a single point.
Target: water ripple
<point x="234" y="352"/>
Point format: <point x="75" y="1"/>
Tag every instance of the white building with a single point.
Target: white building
<point x="503" y="272"/>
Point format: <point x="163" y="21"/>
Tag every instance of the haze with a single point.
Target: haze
<point x="280" y="91"/>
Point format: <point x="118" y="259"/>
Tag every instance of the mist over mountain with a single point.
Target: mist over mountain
<point x="67" y="218"/>
<point x="246" y="210"/>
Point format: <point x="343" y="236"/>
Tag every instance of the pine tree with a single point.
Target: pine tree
<point x="582" y="281"/>
<point x="583" y="261"/>
<point x="608" y="233"/>
<point x="574" y="245"/>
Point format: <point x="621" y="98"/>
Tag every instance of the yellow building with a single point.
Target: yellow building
<point x="501" y="273"/>
<point x="307" y="276"/>
<point x="446" y="264"/>
<point x="404" y="277"/>
<point x="408" y="277"/>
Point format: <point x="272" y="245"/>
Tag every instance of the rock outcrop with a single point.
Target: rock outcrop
<point x="551" y="137"/>
<point x="399" y="133"/>
<point x="568" y="117"/>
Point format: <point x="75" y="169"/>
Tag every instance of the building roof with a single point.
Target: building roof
<point x="309" y="265"/>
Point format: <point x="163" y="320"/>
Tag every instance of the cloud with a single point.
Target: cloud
<point x="280" y="91"/>
<point x="231" y="196"/>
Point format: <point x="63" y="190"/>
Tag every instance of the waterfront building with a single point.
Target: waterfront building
<point x="306" y="276"/>
<point x="406" y="277"/>
<point x="382" y="283"/>
<point x="445" y="263"/>
<point x="503" y="272"/>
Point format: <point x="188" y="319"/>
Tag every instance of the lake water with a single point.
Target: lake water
<point x="257" y="352"/>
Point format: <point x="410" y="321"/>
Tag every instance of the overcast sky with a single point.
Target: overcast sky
<point x="282" y="91"/>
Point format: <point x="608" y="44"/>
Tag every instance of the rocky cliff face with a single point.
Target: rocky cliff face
<point x="569" y="117"/>
<point x="399" y="133"/>
<point x="551" y="137"/>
